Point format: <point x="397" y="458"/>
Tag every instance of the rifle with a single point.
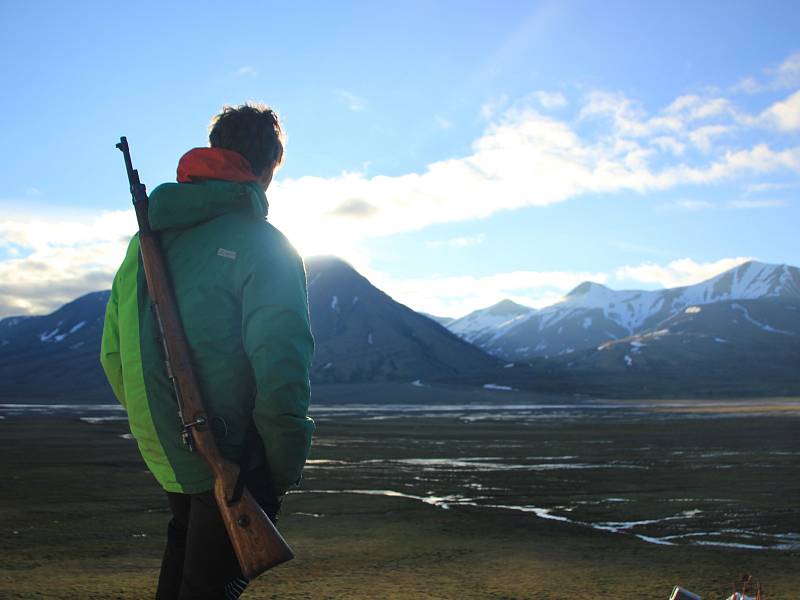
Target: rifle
<point x="257" y="543"/>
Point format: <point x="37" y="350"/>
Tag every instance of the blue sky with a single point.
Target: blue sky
<point x="456" y="153"/>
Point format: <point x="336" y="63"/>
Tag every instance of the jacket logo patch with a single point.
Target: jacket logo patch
<point x="226" y="253"/>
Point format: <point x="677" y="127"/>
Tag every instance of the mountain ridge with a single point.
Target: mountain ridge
<point x="592" y="312"/>
<point x="736" y="333"/>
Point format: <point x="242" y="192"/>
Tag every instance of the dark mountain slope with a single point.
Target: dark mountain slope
<point x="364" y="335"/>
<point x="55" y="356"/>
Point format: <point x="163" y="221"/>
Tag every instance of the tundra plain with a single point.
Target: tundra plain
<point x="414" y="492"/>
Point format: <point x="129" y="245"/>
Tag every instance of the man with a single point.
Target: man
<point x="241" y="293"/>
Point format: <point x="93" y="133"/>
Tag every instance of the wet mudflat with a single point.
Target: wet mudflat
<point x="462" y="498"/>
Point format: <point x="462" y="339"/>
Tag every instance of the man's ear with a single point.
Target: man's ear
<point x="266" y="176"/>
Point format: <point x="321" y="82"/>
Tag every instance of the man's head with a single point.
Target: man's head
<point x="252" y="130"/>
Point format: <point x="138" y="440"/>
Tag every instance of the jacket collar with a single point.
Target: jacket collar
<point x="214" y="163"/>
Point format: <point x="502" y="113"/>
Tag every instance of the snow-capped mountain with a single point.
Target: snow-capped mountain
<point x="744" y="347"/>
<point x="481" y="326"/>
<point x="361" y="334"/>
<point x="738" y="333"/>
<point x="592" y="314"/>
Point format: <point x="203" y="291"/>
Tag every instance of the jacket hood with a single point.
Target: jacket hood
<point x="214" y="163"/>
<point x="212" y="182"/>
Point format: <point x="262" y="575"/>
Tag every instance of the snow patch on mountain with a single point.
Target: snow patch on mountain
<point x="495" y="386"/>
<point x="46" y="337"/>
<point x="759" y="324"/>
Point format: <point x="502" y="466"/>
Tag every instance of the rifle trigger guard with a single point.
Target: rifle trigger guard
<point x="186" y="433"/>
<point x="199" y="422"/>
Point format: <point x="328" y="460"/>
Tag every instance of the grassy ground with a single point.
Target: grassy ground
<point x="81" y="518"/>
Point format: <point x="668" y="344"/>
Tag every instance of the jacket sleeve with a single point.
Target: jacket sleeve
<point x="109" y="345"/>
<point x="278" y="342"/>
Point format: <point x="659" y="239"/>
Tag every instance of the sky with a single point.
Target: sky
<point x="455" y="153"/>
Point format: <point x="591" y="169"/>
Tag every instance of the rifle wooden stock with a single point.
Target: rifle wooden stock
<point x="257" y="543"/>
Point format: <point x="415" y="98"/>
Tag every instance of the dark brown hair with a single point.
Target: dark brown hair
<point x="252" y="130"/>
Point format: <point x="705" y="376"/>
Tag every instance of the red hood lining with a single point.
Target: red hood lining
<point x="214" y="163"/>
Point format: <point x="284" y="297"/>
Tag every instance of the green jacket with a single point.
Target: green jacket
<point x="241" y="293"/>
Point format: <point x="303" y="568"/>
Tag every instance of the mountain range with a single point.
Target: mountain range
<point x="735" y="334"/>
<point x="361" y="334"/>
<point x="592" y="314"/>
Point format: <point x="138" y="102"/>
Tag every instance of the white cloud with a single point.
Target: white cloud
<point x="689" y="119"/>
<point x="684" y="271"/>
<point x="523" y="159"/>
<point x="39" y="235"/>
<point x="785" y="115"/>
<point x="702" y="137"/>
<point x="60" y="259"/>
<point x="694" y="107"/>
<point x="350" y="100"/>
<point x="550" y="100"/>
<point x="669" y="143"/>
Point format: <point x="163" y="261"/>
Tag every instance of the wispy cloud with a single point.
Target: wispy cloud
<point x="740" y="204"/>
<point x="784" y="76"/>
<point x="688" y="205"/>
<point x="350" y="100"/>
<point x="442" y="123"/>
<point x="638" y="248"/>
<point x="770" y="186"/>
<point x="749" y="203"/>
<point x="494" y="106"/>
<point x="684" y="271"/>
<point x="550" y="100"/>
<point x="459" y="242"/>
<point x="245" y="71"/>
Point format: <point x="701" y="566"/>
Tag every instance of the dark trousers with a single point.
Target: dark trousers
<point x="199" y="562"/>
